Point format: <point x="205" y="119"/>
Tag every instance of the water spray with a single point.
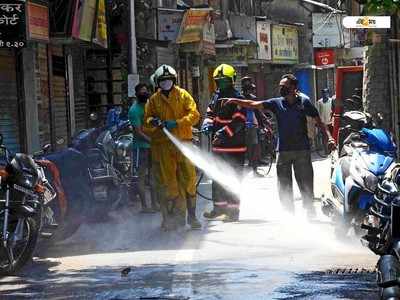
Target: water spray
<point x="216" y="169"/>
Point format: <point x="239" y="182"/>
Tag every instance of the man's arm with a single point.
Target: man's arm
<point x="244" y="103"/>
<point x="312" y="111"/>
<point x="324" y="129"/>
<point x="139" y="132"/>
<point x="192" y="116"/>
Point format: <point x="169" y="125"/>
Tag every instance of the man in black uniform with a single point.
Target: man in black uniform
<point x="227" y="125"/>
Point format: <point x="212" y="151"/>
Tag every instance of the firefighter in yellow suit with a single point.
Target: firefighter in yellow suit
<point x="173" y="108"/>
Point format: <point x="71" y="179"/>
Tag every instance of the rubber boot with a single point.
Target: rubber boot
<point x="214" y="214"/>
<point x="192" y="220"/>
<point x="232" y="216"/>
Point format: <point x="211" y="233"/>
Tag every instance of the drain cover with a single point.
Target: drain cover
<point x="340" y="271"/>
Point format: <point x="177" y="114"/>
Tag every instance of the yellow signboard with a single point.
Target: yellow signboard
<point x="195" y="26"/>
<point x="285" y="44"/>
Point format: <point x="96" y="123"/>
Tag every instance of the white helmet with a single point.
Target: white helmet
<point x="165" y="72"/>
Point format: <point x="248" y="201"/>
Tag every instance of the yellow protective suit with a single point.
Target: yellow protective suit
<point x="176" y="174"/>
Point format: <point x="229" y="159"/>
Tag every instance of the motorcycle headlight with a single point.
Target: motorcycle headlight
<point x="370" y="181"/>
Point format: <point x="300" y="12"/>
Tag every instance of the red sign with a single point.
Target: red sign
<point x="324" y="58"/>
<point x="38" y="22"/>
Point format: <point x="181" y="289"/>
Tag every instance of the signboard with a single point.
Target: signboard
<point x="198" y="27"/>
<point x="38" y="22"/>
<point x="169" y="23"/>
<point x="194" y="21"/>
<point x="325" y="58"/>
<point x="285" y="44"/>
<point x="12" y="24"/>
<point x="101" y="25"/>
<point x="328" y="31"/>
<point x="264" y="40"/>
<point x="85" y="11"/>
<point x="243" y="27"/>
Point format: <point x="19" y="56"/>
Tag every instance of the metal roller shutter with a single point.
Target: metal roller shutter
<point x="59" y="95"/>
<point x="9" y="112"/>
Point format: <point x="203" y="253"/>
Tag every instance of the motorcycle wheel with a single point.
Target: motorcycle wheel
<point x="23" y="250"/>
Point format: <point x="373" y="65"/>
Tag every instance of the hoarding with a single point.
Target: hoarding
<point x="169" y="23"/>
<point x="12" y="24"/>
<point x="264" y="40"/>
<point x="38" y="22"/>
<point x="285" y="44"/>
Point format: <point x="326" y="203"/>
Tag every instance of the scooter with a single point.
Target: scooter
<point x="364" y="158"/>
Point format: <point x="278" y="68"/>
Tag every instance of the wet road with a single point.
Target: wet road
<point x="268" y="255"/>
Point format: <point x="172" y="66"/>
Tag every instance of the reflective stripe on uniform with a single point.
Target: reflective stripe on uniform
<point x="228" y="131"/>
<point x="230" y="150"/>
<point x="220" y="203"/>
<point x="223" y="121"/>
<point x="239" y="115"/>
<point x="233" y="206"/>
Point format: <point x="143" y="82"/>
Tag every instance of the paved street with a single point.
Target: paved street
<point x="266" y="256"/>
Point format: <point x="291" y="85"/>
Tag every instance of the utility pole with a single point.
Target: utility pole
<point x="133" y="77"/>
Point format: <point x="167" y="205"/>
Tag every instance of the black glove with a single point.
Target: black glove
<point x="156" y="122"/>
<point x="219" y="137"/>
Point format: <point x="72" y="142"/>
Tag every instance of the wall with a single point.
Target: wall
<point x="376" y="90"/>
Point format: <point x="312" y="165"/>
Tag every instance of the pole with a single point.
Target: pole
<point x="133" y="78"/>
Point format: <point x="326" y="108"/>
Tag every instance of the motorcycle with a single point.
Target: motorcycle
<point x="364" y="158"/>
<point x="383" y="233"/>
<point x="24" y="210"/>
<point x="106" y="173"/>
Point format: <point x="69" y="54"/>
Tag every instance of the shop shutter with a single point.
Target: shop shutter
<point x="59" y="95"/>
<point x="9" y="112"/>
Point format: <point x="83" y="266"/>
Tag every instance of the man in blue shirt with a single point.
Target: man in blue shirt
<point x="291" y="111"/>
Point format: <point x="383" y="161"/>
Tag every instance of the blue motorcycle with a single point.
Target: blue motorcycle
<point x="360" y="165"/>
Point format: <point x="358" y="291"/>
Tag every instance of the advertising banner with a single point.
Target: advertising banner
<point x="285" y="44"/>
<point x="12" y="24"/>
<point x="38" y="22"/>
<point x="264" y="40"/>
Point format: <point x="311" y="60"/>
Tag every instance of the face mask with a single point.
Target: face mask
<point x="224" y="84"/>
<point x="143" y="97"/>
<point x="284" y="91"/>
<point x="166" y="85"/>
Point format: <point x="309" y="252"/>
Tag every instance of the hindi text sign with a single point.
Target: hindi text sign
<point x="12" y="24"/>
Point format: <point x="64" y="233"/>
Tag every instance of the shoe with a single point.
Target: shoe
<point x="194" y="223"/>
<point x="212" y="214"/>
<point x="230" y="219"/>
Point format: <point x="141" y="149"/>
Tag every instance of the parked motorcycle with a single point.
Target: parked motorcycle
<point x="383" y="233"/>
<point x="25" y="209"/>
<point x="108" y="164"/>
<point x="365" y="156"/>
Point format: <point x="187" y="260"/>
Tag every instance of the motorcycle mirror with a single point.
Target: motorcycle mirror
<point x="46" y="148"/>
<point x="379" y="119"/>
<point x="60" y="141"/>
<point x="93" y="116"/>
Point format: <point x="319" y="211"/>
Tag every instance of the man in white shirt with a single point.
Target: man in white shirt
<point x="324" y="106"/>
